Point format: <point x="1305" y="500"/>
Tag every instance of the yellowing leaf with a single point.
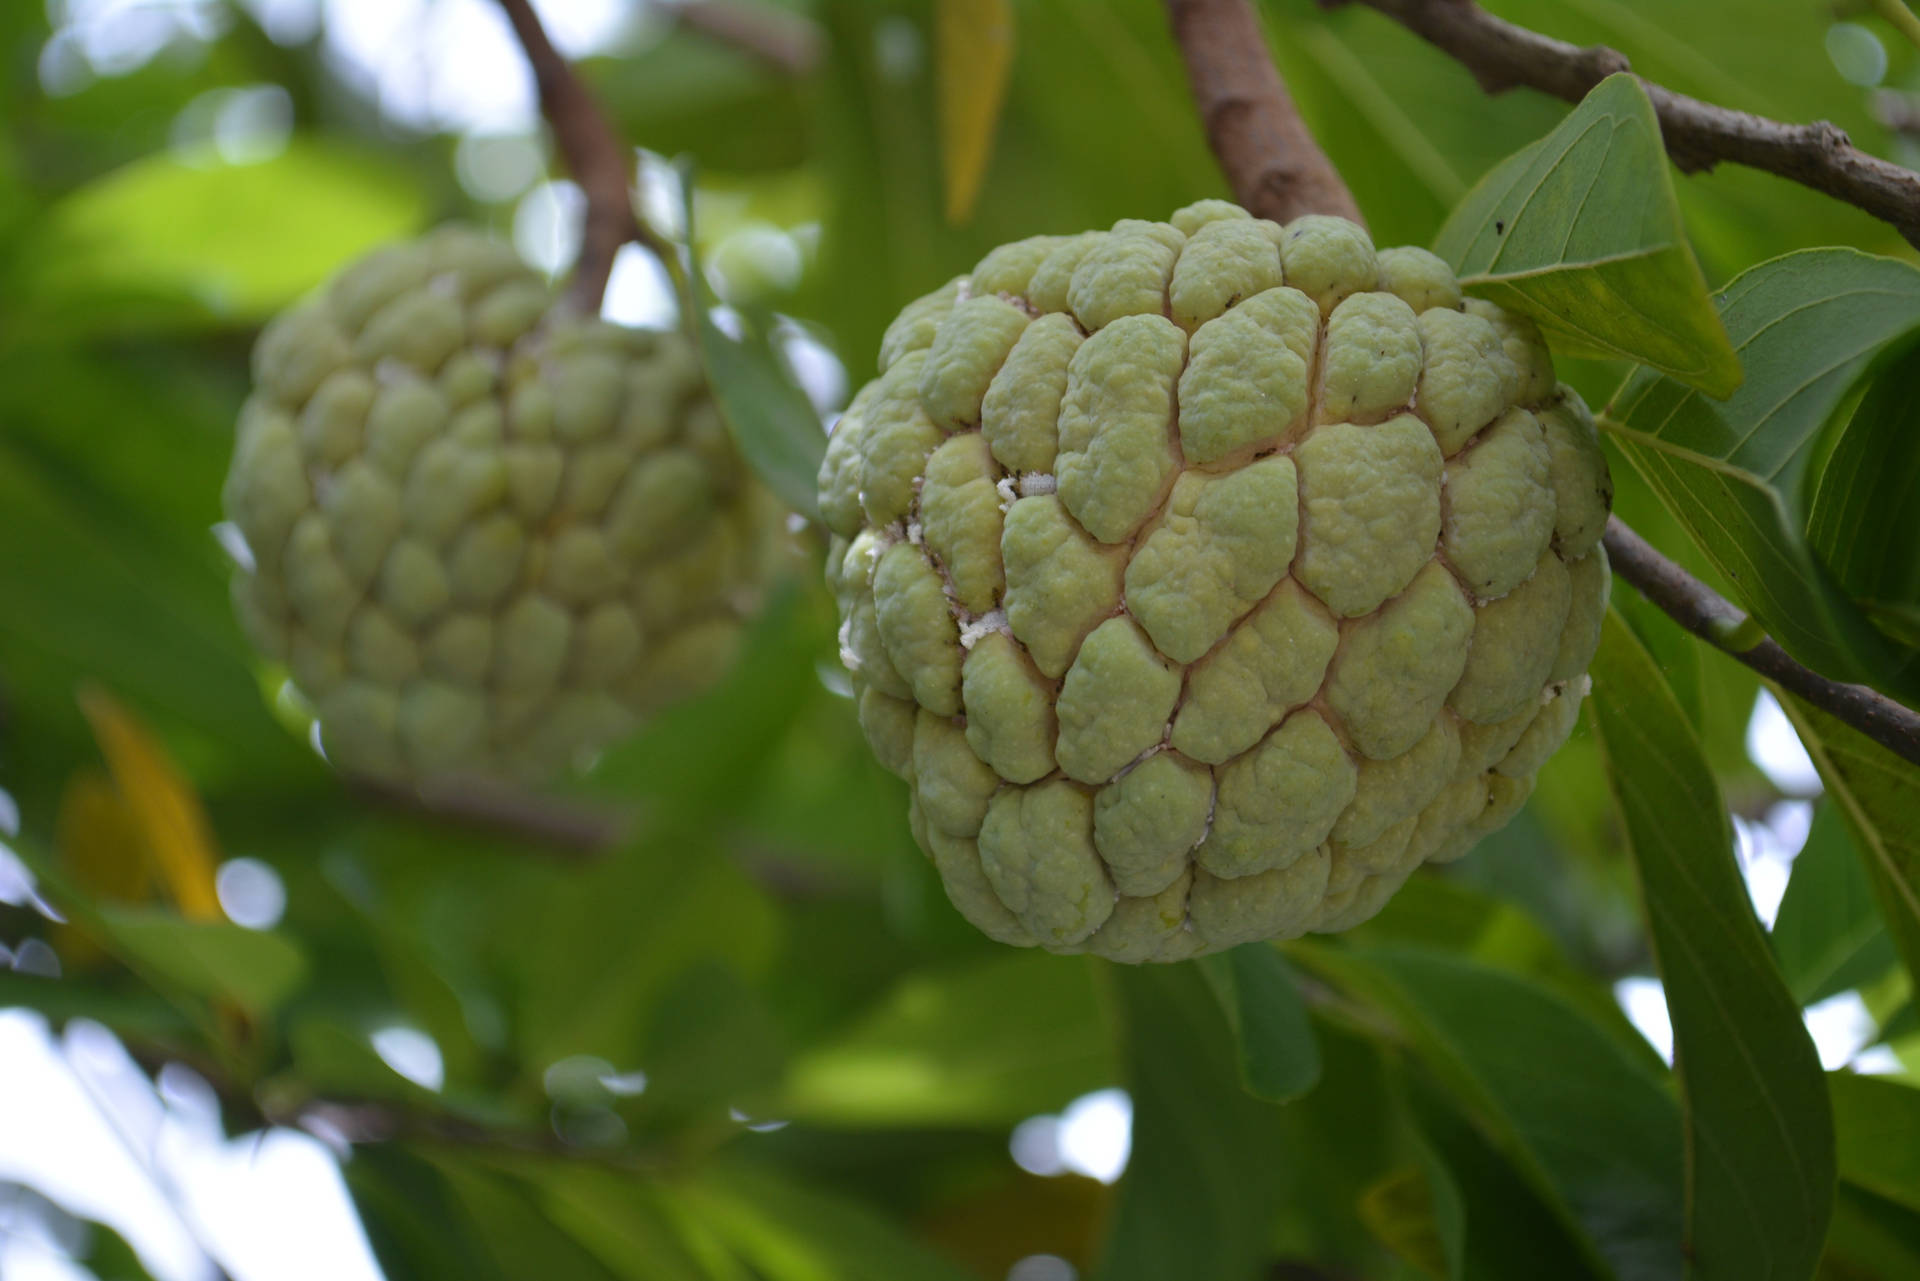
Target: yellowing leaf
<point x="101" y="846"/>
<point x="976" y="53"/>
<point x="162" y="803"/>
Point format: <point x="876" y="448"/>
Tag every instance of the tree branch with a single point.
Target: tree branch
<point x="1698" y="134"/>
<point x="1276" y="168"/>
<point x="1228" y="64"/>
<point x="1717" y="621"/>
<point x="594" y="155"/>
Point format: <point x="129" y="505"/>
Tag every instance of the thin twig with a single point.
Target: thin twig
<point x="1250" y="169"/>
<point x="1717" y="621"/>
<point x="594" y="155"/>
<point x="1699" y="135"/>
<point x="787" y="42"/>
<point x="566" y="827"/>
<point x="1277" y="169"/>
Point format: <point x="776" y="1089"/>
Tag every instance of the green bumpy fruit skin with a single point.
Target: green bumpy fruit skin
<point x="1205" y="578"/>
<point x="486" y="537"/>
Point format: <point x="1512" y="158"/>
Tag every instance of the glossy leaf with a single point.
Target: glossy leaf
<point x="1828" y="936"/>
<point x="1876" y="795"/>
<point x="974" y="43"/>
<point x="1809" y="328"/>
<point x="1758" y="1129"/>
<point x="1259" y="994"/>
<point x="1204" y="1177"/>
<point x="1581" y="232"/>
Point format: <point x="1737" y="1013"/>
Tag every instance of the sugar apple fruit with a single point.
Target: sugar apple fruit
<point x="1206" y="577"/>
<point x="486" y="535"/>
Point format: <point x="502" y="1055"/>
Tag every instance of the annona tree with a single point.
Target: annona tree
<point x="1258" y="557"/>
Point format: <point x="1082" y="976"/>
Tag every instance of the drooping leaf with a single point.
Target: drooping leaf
<point x="1758" y="1129"/>
<point x="1587" y="1126"/>
<point x="987" y="1043"/>
<point x="1876" y="1128"/>
<point x="1809" y="328"/>
<point x="1877" y="798"/>
<point x="974" y="43"/>
<point x="1257" y="991"/>
<point x="1828" y="937"/>
<point x="1581" y="231"/>
<point x="256" y="969"/>
<point x="1204" y="1177"/>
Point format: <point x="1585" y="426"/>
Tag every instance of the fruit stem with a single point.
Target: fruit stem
<point x="1269" y="156"/>
<point x="596" y="157"/>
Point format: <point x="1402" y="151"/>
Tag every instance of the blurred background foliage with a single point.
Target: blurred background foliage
<point x="752" y="1040"/>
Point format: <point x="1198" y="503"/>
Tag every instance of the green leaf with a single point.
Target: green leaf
<point x="989" y="1043"/>
<point x="1758" y="1129"/>
<point x="1257" y="990"/>
<point x="504" y="1217"/>
<point x="230" y="242"/>
<point x="137" y="1012"/>
<point x="1872" y="1239"/>
<point x="1867" y="485"/>
<point x="772" y="420"/>
<point x="1876" y="1129"/>
<point x="1588" y="1126"/>
<point x="1581" y="231"/>
<point x="1510" y="1230"/>
<point x="257" y="969"/>
<point x="626" y="1222"/>
<point x="1810" y="328"/>
<point x="1206" y="1171"/>
<point x="1827" y="936"/>
<point x="784" y="1230"/>
<point x="1875" y="793"/>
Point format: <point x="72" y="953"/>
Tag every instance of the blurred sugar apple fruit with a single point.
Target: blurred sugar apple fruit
<point x="1206" y="577"/>
<point x="486" y="535"/>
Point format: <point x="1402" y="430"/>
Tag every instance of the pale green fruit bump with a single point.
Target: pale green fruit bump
<point x="1205" y="578"/>
<point x="486" y="537"/>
